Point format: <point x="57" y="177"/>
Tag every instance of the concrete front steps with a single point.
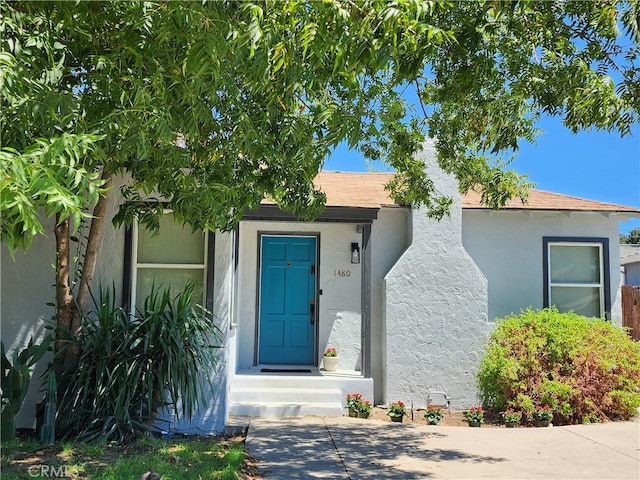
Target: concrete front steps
<point x="321" y="394"/>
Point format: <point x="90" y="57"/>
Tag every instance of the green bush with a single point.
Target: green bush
<point x="131" y="366"/>
<point x="585" y="370"/>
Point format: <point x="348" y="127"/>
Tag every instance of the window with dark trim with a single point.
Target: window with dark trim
<point x="169" y="259"/>
<point x="576" y="275"/>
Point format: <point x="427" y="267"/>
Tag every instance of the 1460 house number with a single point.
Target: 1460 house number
<point x="342" y="273"/>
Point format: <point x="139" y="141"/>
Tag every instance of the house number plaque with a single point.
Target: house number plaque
<point x="342" y="273"/>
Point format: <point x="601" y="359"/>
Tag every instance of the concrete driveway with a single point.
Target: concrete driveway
<point x="346" y="448"/>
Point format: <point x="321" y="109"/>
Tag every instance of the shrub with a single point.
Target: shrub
<point x="585" y="370"/>
<point x="131" y="366"/>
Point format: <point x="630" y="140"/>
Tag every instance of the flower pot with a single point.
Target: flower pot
<point x="511" y="424"/>
<point x="363" y="414"/>
<point x="474" y="424"/>
<point x="542" y="423"/>
<point x="353" y="413"/>
<point x="330" y="364"/>
<point x="396" y="419"/>
<point x="433" y="421"/>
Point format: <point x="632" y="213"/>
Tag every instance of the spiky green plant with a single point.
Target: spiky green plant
<point x="15" y="380"/>
<point x="132" y="365"/>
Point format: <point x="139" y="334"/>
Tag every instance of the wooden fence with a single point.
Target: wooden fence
<point x="631" y="310"/>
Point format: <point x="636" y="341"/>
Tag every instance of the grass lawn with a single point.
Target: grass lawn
<point x="190" y="458"/>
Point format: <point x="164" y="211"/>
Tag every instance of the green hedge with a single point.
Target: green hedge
<point x="586" y="370"/>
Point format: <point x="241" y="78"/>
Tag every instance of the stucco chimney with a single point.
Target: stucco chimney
<point x="435" y="306"/>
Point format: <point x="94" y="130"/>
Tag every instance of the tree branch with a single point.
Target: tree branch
<point x="422" y="106"/>
<point x="91" y="253"/>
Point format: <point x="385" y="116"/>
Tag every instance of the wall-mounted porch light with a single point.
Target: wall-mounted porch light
<point x="355" y="253"/>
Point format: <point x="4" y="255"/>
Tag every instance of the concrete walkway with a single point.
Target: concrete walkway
<point x="347" y="448"/>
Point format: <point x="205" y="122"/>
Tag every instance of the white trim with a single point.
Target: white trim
<point x="134" y="267"/>
<point x="167" y="266"/>
<point x="599" y="286"/>
<point x="233" y="285"/>
<point x="181" y="266"/>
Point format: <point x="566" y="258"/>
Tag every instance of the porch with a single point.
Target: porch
<point x="285" y="392"/>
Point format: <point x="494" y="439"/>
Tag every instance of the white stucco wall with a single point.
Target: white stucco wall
<point x="390" y="237"/>
<point x="507" y="246"/>
<point x="212" y="418"/>
<point x="339" y="306"/>
<point x="27" y="285"/>
<point x="436" y="315"/>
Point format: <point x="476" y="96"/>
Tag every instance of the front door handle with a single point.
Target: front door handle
<point x="312" y="310"/>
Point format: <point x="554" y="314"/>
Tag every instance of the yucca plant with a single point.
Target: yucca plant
<point x="173" y="345"/>
<point x="132" y="365"/>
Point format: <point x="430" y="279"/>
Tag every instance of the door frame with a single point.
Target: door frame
<point x="316" y="329"/>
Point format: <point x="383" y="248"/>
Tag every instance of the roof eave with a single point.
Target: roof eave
<point x="267" y="212"/>
<point x="630" y="214"/>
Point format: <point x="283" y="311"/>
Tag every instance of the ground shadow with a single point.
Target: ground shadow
<point x="356" y="450"/>
<point x="394" y="451"/>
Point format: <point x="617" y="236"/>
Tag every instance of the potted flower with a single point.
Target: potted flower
<point x="433" y="414"/>
<point x="397" y="411"/>
<point x="475" y="416"/>
<point x="543" y="416"/>
<point x="330" y="359"/>
<point x="364" y="409"/>
<point x="353" y="400"/>
<point x="511" y="417"/>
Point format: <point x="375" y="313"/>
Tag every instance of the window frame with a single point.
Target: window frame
<point x="131" y="266"/>
<point x="605" y="271"/>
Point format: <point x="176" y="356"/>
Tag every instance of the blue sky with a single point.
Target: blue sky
<point x="591" y="164"/>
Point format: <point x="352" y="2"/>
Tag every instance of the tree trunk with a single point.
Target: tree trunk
<point x="91" y="254"/>
<point x="86" y="277"/>
<point x="69" y="312"/>
<point x="64" y="295"/>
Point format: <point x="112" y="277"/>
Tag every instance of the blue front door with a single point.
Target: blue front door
<point x="287" y="300"/>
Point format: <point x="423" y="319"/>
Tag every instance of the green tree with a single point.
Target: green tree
<point x="215" y="105"/>
<point x="633" y="237"/>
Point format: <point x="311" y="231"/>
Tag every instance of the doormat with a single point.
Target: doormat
<point x="284" y="370"/>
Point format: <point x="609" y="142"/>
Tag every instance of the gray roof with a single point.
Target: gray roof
<point x="629" y="253"/>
